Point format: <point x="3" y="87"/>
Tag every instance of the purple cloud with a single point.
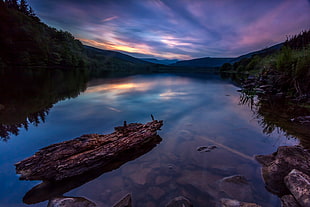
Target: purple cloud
<point x="182" y="29"/>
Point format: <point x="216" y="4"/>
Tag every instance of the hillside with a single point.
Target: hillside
<point x="106" y="60"/>
<point x="203" y="62"/>
<point x="27" y="42"/>
<point x="163" y="62"/>
<point x="209" y="62"/>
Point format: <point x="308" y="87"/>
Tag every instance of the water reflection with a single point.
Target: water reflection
<point x="26" y="97"/>
<point x="275" y="114"/>
<point x="198" y="110"/>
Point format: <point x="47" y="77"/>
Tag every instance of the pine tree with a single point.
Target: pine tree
<point x="12" y="4"/>
<point x="23" y="7"/>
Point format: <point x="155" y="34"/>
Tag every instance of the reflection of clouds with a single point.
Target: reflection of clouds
<point x="118" y="88"/>
<point x="169" y="94"/>
<point x="137" y="85"/>
<point x="114" y="109"/>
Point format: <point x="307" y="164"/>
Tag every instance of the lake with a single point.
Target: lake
<point x="199" y="110"/>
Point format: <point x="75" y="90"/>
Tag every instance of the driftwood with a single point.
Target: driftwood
<point x="88" y="152"/>
<point x="48" y="190"/>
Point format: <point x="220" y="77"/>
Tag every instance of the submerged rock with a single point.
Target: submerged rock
<point x="124" y="202"/>
<point x="206" y="148"/>
<point x="236" y="187"/>
<point x="70" y="202"/>
<point x="179" y="202"/>
<point x="299" y="185"/>
<point x="225" y="202"/>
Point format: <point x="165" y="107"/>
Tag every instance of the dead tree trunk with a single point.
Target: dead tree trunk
<point x="77" y="156"/>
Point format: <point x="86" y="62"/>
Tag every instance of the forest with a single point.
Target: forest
<point x="26" y="41"/>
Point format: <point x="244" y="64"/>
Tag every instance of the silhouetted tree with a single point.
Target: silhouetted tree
<point x="23" y="7"/>
<point x="12" y="4"/>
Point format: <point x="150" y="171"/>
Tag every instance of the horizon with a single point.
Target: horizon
<point x="185" y="30"/>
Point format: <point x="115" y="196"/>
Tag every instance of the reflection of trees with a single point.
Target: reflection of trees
<point x="34" y="118"/>
<point x="27" y="96"/>
<point x="275" y="114"/>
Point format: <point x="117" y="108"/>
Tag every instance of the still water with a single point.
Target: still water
<point x="198" y="110"/>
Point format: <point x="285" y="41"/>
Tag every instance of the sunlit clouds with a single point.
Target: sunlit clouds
<point x="177" y="29"/>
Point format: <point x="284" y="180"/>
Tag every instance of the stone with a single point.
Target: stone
<point x="279" y="164"/>
<point x="203" y="181"/>
<point x="225" y="202"/>
<point x="289" y="201"/>
<point x="70" y="202"/>
<point x="140" y="176"/>
<point x="236" y="187"/>
<point x="206" y="148"/>
<point x="179" y="202"/>
<point x="299" y="185"/>
<point x="162" y="179"/>
<point x="155" y="192"/>
<point x="124" y="202"/>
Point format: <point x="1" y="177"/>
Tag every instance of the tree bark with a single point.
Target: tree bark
<point x="77" y="156"/>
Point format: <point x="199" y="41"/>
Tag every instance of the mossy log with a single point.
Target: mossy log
<point x="80" y="155"/>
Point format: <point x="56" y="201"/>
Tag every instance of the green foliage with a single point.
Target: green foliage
<point x="253" y="64"/>
<point x="288" y="70"/>
<point x="300" y="41"/>
<point x="25" y="41"/>
<point x="226" y="67"/>
<point x="285" y="61"/>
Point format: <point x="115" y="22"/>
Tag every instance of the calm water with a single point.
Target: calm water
<point x="198" y="110"/>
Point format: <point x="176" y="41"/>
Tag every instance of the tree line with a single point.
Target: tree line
<point x="21" y="6"/>
<point x="26" y="41"/>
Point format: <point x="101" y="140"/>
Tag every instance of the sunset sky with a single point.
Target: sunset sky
<point x="177" y="29"/>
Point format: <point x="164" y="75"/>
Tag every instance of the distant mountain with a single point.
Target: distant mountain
<point x="99" y="60"/>
<point x="113" y="54"/>
<point x="163" y="62"/>
<point x="209" y="62"/>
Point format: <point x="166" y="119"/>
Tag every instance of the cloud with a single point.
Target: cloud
<point x="109" y="19"/>
<point x="181" y="29"/>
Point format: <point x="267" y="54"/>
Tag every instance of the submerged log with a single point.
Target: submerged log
<point x="80" y="155"/>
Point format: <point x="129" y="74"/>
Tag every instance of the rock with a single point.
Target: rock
<point x="206" y="148"/>
<point x="299" y="185"/>
<point x="235" y="203"/>
<point x="124" y="202"/>
<point x="265" y="86"/>
<point x="70" y="202"/>
<point x="155" y="192"/>
<point x="179" y="202"/>
<point x="280" y="164"/>
<point x="289" y="201"/>
<point x="236" y="187"/>
<point x="162" y="179"/>
<point x="301" y="119"/>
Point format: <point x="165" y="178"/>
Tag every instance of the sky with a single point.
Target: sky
<point x="177" y="29"/>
